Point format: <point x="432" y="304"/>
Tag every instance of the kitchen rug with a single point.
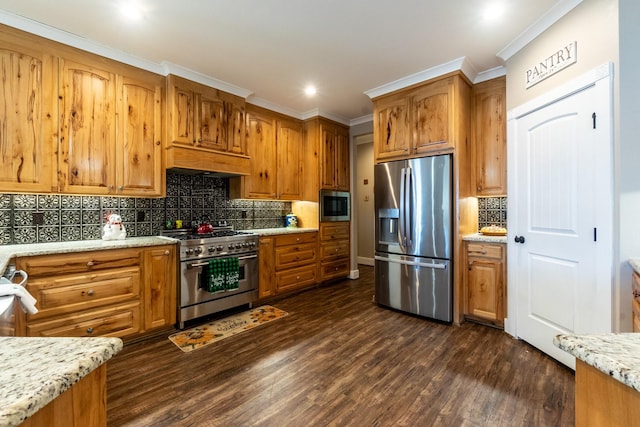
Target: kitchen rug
<point x="217" y="330"/>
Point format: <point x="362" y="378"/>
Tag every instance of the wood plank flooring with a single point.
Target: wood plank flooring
<point x="338" y="359"/>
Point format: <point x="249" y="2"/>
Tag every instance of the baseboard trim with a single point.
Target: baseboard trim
<point x="366" y="261"/>
<point x="354" y="274"/>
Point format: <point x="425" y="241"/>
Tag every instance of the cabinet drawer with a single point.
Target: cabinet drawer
<point x="292" y="256"/>
<point x="334" y="231"/>
<point x="81" y="262"/>
<point x="114" y="321"/>
<point x="336" y="249"/>
<point x="297" y="238"/>
<point x="73" y="293"/>
<point x="335" y="269"/>
<point x="295" y="278"/>
<point x="485" y="250"/>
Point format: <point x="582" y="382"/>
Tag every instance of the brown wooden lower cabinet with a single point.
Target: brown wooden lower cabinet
<point x="82" y="405"/>
<point x="604" y="401"/>
<point x="296" y="256"/>
<point x="484" y="282"/>
<point x="635" y="303"/>
<point x="116" y="292"/>
<point x="334" y="250"/>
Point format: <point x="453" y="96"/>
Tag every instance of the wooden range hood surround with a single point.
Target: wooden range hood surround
<point x="202" y="160"/>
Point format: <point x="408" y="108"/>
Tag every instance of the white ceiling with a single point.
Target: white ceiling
<point x="269" y="50"/>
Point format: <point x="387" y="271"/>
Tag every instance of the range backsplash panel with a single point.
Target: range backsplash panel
<point x="29" y="218"/>
<point x="492" y="211"/>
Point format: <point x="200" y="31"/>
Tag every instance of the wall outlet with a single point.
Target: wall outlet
<point x="37" y="218"/>
<point x="140" y="216"/>
<point x="243" y="214"/>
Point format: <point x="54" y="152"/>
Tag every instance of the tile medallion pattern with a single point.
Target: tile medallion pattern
<point x="190" y="198"/>
<point x="492" y="211"/>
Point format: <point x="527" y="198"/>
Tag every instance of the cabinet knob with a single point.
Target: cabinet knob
<point x="297" y="277"/>
<point x="120" y="188"/>
<point x="636" y="293"/>
<point x="89" y="330"/>
<point x="166" y="252"/>
<point x="90" y="292"/>
<point x="90" y="264"/>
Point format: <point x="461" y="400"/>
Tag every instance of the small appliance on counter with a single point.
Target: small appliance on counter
<point x="291" y="221"/>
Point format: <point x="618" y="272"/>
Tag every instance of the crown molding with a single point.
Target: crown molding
<point x="187" y="73"/>
<point x="552" y="16"/>
<point x="73" y="40"/>
<point x="490" y="74"/>
<point x="459" y="64"/>
<point x="360" y="120"/>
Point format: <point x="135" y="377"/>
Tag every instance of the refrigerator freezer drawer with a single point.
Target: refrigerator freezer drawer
<point x="420" y="286"/>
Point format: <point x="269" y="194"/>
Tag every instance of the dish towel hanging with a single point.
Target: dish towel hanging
<point x="221" y="274"/>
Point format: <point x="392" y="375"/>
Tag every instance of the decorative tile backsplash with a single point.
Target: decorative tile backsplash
<point x="492" y="211"/>
<point x="27" y="218"/>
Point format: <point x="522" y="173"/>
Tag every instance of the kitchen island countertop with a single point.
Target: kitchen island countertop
<point x="10" y="251"/>
<point x="35" y="371"/>
<point x="478" y="237"/>
<point x="615" y="354"/>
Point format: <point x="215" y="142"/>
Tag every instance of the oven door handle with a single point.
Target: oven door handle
<point x="202" y="264"/>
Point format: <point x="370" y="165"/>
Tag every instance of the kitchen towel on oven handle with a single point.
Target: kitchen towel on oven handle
<point x="220" y="274"/>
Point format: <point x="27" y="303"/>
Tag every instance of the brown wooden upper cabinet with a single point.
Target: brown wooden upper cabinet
<point x="27" y="115"/>
<point x="205" y="117"/>
<point x="334" y="157"/>
<point x="98" y="155"/>
<point x="77" y="123"/>
<point x="421" y="120"/>
<point x="275" y="145"/>
<point x="489" y="140"/>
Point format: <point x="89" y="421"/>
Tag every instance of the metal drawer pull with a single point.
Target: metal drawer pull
<point x="90" y="292"/>
<point x="202" y="264"/>
<point x="89" y="330"/>
<point x="90" y="264"/>
<point x="167" y="252"/>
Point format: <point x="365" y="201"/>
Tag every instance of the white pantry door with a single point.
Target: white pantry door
<point x="563" y="213"/>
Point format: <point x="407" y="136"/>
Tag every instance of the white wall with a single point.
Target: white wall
<point x="594" y="25"/>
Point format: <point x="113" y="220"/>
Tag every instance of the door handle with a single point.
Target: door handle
<point x="412" y="263"/>
<point x="519" y="239"/>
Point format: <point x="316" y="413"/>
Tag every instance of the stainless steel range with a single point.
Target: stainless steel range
<point x="218" y="270"/>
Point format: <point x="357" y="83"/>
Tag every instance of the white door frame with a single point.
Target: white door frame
<point x="602" y="75"/>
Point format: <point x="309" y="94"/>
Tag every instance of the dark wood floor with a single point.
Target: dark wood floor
<point x="340" y="360"/>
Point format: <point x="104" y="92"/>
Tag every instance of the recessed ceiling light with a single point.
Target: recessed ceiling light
<point x="131" y="11"/>
<point x="493" y="11"/>
<point x="310" y="90"/>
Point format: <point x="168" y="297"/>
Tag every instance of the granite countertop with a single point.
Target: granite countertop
<point x="477" y="237"/>
<point x="617" y="355"/>
<point x="280" y="230"/>
<point x="37" y="370"/>
<point x="10" y="251"/>
<point x="635" y="264"/>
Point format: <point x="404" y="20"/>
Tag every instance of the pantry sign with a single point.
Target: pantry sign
<point x="557" y="61"/>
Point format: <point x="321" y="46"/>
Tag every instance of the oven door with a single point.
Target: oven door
<point x="191" y="291"/>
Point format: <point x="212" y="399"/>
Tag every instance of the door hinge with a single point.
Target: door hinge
<point x="593" y="116"/>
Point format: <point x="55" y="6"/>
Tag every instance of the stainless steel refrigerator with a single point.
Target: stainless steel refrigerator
<point x="413" y="259"/>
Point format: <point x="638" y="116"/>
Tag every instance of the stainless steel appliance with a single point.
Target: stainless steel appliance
<point x="335" y="205"/>
<point x="197" y="296"/>
<point x="413" y="234"/>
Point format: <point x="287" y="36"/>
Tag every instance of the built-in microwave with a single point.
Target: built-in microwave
<point x="334" y="205"/>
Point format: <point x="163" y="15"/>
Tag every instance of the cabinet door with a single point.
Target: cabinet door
<point x="160" y="287"/>
<point x="87" y="129"/>
<point x="289" y="160"/>
<point x="28" y="119"/>
<point x="235" y="111"/>
<point x="212" y="123"/>
<point x="266" y="254"/>
<point x="391" y="128"/>
<point x="139" y="137"/>
<point x="342" y="161"/>
<point x="432" y="116"/>
<point x="261" y="145"/>
<point x="327" y="158"/>
<point x="181" y="107"/>
<point x="489" y="138"/>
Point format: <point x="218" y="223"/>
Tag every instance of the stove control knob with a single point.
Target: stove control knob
<point x="189" y="251"/>
<point x="219" y="248"/>
<point x="211" y="249"/>
<point x="198" y="250"/>
<point x="238" y="245"/>
<point x="245" y="244"/>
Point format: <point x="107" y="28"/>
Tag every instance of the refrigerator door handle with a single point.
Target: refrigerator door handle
<point x="413" y="263"/>
<point x="403" y="200"/>
<point x="409" y="207"/>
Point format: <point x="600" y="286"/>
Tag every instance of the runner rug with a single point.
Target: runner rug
<point x="220" y="329"/>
